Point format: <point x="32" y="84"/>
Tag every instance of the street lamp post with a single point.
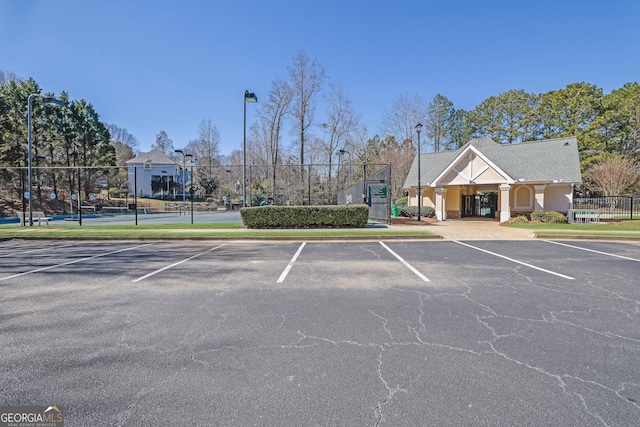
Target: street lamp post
<point x="418" y="129"/>
<point x="342" y="152"/>
<point x="24" y="209"/>
<point x="248" y="97"/>
<point x="47" y="100"/>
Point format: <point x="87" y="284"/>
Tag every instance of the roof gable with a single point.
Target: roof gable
<point x="471" y="167"/>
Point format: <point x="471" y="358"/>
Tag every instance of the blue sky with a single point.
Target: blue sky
<point x="158" y="65"/>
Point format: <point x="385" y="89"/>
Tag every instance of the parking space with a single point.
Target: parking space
<point x="339" y="333"/>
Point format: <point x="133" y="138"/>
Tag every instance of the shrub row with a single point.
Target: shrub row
<point x="412" y="211"/>
<point x="550" y="217"/>
<point x="305" y="216"/>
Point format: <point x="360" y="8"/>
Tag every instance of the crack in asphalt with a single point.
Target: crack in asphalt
<point x="485" y="316"/>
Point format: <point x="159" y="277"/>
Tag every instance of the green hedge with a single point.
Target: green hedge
<point x="550" y="217"/>
<point x="425" y="211"/>
<point x="305" y="216"/>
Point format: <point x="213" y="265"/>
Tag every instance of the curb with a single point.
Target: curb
<point x="239" y="238"/>
<point x="586" y="237"/>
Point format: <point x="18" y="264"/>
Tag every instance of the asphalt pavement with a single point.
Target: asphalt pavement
<point x="471" y="332"/>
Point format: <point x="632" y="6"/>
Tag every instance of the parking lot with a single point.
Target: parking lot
<point x="396" y="333"/>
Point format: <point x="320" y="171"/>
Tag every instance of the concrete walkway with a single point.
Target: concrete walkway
<point x="472" y="230"/>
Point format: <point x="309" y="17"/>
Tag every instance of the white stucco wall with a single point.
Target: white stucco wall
<point x="557" y="197"/>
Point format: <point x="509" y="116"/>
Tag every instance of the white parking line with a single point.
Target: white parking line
<point x="514" y="260"/>
<point x="288" y="267"/>
<point x="73" y="262"/>
<point x="409" y="266"/>
<point x="592" y="250"/>
<point x="153" y="273"/>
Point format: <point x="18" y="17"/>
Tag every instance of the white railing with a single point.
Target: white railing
<point x="584" y="216"/>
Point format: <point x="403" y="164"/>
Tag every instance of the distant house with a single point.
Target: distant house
<point x="486" y="179"/>
<point x="154" y="174"/>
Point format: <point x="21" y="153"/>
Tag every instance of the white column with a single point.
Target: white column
<point x="440" y="204"/>
<point x="539" y="197"/>
<point x="505" y="208"/>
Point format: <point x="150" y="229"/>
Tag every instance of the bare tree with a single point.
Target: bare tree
<point x="206" y="146"/>
<point x="233" y="159"/>
<point x="271" y="118"/>
<point x="123" y="153"/>
<point x="7" y="76"/>
<point x="258" y="150"/>
<point x="357" y="142"/>
<point x="342" y="122"/>
<point x="163" y="143"/>
<point x="205" y="149"/>
<point x="613" y="175"/>
<point x="405" y="113"/>
<point x="315" y="150"/>
<point x="388" y="150"/>
<point x="123" y="136"/>
<point x="400" y="156"/>
<point x="307" y="79"/>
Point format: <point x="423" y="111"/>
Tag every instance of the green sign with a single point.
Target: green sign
<point x="377" y="191"/>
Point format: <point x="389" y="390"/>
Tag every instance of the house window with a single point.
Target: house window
<point x="523" y="198"/>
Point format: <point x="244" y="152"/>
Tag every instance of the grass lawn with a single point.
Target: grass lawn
<point x="200" y="231"/>
<point x="622" y="229"/>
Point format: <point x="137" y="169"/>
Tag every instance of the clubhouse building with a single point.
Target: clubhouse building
<point x="487" y="179"/>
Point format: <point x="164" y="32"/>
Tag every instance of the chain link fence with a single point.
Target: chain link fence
<point x="71" y="192"/>
<point x="374" y="189"/>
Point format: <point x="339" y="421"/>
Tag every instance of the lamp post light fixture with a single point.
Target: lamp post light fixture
<point x="418" y="129"/>
<point x="47" y="100"/>
<point x="252" y="98"/>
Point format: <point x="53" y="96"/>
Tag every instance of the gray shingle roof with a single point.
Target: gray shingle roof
<point x="154" y="156"/>
<point x="535" y="161"/>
